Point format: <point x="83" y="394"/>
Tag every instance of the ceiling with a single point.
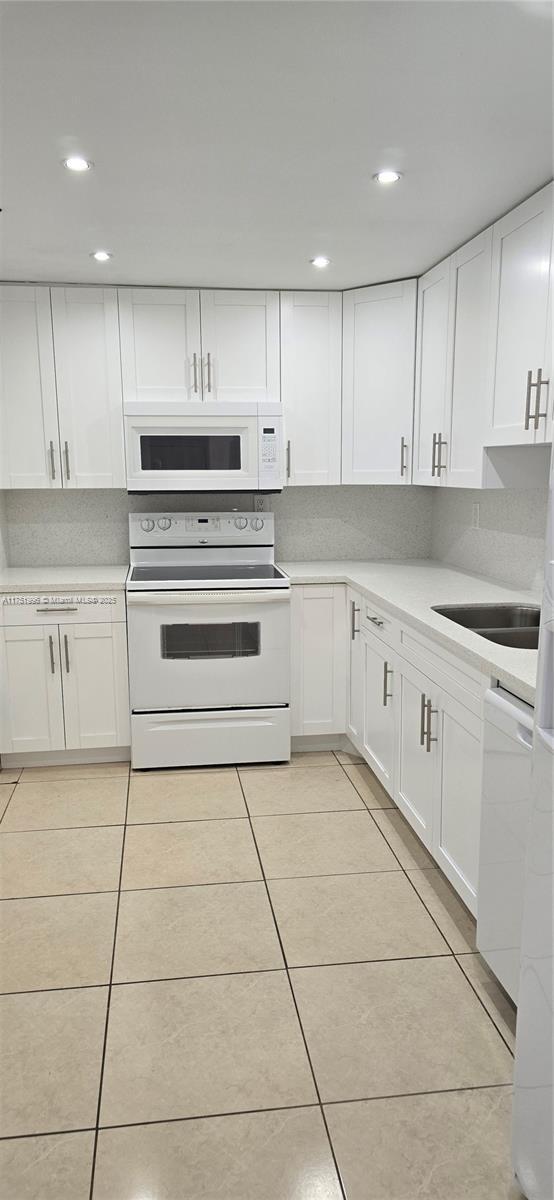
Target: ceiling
<point x="232" y="142"/>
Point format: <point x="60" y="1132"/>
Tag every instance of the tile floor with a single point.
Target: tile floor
<point x="240" y="985"/>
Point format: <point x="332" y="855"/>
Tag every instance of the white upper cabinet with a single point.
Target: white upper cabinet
<point x="431" y="373"/>
<point x="88" y="378"/>
<point x="521" y="332"/>
<point x="378" y="383"/>
<point x="464" y="422"/>
<point x="160" y="347"/>
<point x="311" y="340"/>
<point x="240" y="346"/>
<point x="29" y="443"/>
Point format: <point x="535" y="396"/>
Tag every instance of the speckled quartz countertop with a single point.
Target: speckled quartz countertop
<point x="409" y="590"/>
<point x="21" y="579"/>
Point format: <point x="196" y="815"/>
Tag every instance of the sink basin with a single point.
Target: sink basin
<point x="508" y="624"/>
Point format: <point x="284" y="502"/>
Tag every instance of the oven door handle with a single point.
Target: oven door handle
<point x="151" y="599"/>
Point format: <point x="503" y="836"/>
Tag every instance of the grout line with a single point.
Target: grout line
<point x="64" y="828"/>
<point x="106" y="1024"/>
<point x="294" y="1001"/>
<point x="484" y="1007"/>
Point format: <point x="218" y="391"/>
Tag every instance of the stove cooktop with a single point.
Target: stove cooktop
<point x="173" y="577"/>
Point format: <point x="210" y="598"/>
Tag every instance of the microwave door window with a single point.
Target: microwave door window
<point x="190" y="452"/>
<point x="234" y="639"/>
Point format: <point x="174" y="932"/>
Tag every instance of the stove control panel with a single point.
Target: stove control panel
<point x="201" y="529"/>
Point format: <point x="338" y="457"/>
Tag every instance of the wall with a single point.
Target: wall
<point x="509" y="543"/>
<point x="3" y="531"/>
<point x="70" y="528"/>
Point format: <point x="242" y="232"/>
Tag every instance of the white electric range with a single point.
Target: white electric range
<point x="209" y="640"/>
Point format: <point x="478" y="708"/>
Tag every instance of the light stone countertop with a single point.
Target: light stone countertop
<point x="64" y="579"/>
<point x="409" y="590"/>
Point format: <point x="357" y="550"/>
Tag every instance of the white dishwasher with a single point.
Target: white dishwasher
<point x="508" y="741"/>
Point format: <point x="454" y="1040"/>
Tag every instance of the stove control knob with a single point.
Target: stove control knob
<point x="147" y="526"/>
<point x="257" y="523"/>
<point x="240" y="522"/>
<point x="164" y="523"/>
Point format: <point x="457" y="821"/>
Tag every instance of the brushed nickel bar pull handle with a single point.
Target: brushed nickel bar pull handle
<point x="423" y="710"/>
<point x="52" y="663"/>
<point x="528" y="399"/>
<point x="52" y="462"/>
<point x="195" y="372"/>
<point x="353" y="611"/>
<point x="66" y="651"/>
<point x="434" y="456"/>
<point x="538" y="385"/>
<point x="386" y="694"/>
<point x="376" y="621"/>
<point x="403" y="451"/>
<point x="209" y="369"/>
<point x="288" y="460"/>
<point x="54" y="608"/>
<point x="440" y="443"/>
<point x="431" y="712"/>
<point x="66" y="453"/>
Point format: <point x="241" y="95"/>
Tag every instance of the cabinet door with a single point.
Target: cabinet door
<point x="431" y="372"/>
<point x="88" y="379"/>
<point x="520" y="333"/>
<point x="31" y="691"/>
<point x="318" y="660"/>
<point x="160" y="348"/>
<point x="311" y="338"/>
<point x="29" y="441"/>
<point x="467" y="362"/>
<point x="379" y="709"/>
<point x="355" y="682"/>
<point x="417" y="774"/>
<point x="95" y="685"/>
<point x="240" y="346"/>
<point x="456" y="833"/>
<point x="378" y="383"/>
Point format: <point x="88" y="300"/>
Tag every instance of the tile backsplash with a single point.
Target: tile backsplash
<point x="507" y="544"/>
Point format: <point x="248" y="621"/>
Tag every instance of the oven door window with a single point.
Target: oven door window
<point x="190" y="452"/>
<point x="237" y="639"/>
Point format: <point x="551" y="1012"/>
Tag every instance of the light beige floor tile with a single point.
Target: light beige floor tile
<point x="63" y="804"/>
<point x="51" y="1051"/>
<point x="190" y="1047"/>
<point x="446" y="1146"/>
<point x="348" y="756"/>
<point x="389" y="1028"/>
<point x="321" y="844"/>
<point x="453" y="919"/>
<point x="308" y="758"/>
<point x="195" y="931"/>
<point x="367" y="784"/>
<point x="253" y="1156"/>
<point x="349" y="918"/>
<point x="58" y="942"/>
<point x="6" y="790"/>
<point x="197" y="795"/>
<point x="76" y="771"/>
<point x="494" y="998"/>
<point x="298" y="789"/>
<point x="47" y="1168"/>
<point x="189" y="852"/>
<point x="9" y="775"/>
<point x="56" y="862"/>
<point x="409" y="851"/>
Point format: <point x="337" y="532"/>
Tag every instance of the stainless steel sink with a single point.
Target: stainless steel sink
<point x="508" y="624"/>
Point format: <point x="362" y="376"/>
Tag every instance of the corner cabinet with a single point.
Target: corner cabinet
<point x="379" y="328"/>
<point x="64" y="674"/>
<point x="61" y="420"/>
<point x="318" y="659"/>
<point x="311" y="344"/>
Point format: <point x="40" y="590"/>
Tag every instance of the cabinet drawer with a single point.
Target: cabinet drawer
<point x="462" y="681"/>
<point x="49" y="608"/>
<point x="376" y="621"/>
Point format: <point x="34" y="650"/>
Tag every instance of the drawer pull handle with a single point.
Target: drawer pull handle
<point x="66" y="650"/>
<point x="52" y="663"/>
<point x="376" y="621"/>
<point x="74" y="608"/>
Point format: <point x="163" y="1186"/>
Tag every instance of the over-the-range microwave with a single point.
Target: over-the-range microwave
<point x="220" y="448"/>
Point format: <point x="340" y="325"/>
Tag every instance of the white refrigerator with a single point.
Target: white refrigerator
<point x="533" y="1119"/>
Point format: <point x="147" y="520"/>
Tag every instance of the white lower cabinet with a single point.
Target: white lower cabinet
<point x="379" y="708"/>
<point x="416" y="779"/>
<point x="94" y="680"/>
<point x="355" y="674"/>
<point x="318" y="659"/>
<point x="456" y="832"/>
<point x="31" y="694"/>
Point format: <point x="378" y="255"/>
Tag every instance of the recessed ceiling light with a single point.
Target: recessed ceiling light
<point x="101" y="255"/>
<point x="320" y="261"/>
<point x="387" y="176"/>
<point x="77" y="163"/>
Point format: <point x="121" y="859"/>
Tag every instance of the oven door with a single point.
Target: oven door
<point x="217" y="650"/>
<point x="192" y="453"/>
